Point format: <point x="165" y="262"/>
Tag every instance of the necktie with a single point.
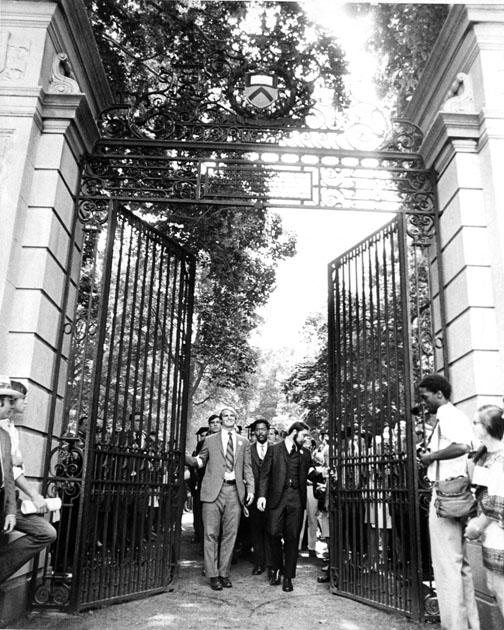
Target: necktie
<point x="262" y="451"/>
<point x="230" y="453"/>
<point x="293" y="449"/>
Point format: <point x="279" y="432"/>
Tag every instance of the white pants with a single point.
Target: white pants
<point x="310" y="520"/>
<point x="495" y="583"/>
<point x="452" y="573"/>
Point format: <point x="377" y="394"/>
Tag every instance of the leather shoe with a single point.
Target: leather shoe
<point x="323" y="579"/>
<point x="287" y="585"/>
<point x="257" y="570"/>
<point x="215" y="584"/>
<point x="275" y="577"/>
<point x="225" y="582"/>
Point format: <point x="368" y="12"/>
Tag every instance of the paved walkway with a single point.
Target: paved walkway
<point x="251" y="604"/>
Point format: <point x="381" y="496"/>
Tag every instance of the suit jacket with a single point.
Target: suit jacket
<point x="9" y="506"/>
<point x="274" y="474"/>
<point x="212" y="455"/>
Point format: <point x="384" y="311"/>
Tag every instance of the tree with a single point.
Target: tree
<point x="174" y="62"/>
<point x="150" y="48"/>
<point x="403" y="37"/>
<point x="307" y="385"/>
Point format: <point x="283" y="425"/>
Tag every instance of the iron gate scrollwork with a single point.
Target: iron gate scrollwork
<point x="120" y="475"/>
<point x="380" y="343"/>
<point x="119" y="466"/>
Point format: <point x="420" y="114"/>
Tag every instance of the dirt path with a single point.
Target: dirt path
<point x="251" y="604"/>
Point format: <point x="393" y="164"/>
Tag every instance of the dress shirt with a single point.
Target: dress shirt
<point x="17" y="457"/>
<point x="289" y="443"/>
<point x="229" y="475"/>
<point x="261" y="449"/>
<point x="453" y="427"/>
<point x="224" y="434"/>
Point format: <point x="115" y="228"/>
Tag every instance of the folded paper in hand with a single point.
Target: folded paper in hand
<point x="28" y="507"/>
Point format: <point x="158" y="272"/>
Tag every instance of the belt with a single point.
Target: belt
<point x="230" y="482"/>
<point x="291" y="485"/>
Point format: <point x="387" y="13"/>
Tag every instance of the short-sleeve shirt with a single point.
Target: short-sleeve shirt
<point x="453" y="427"/>
<point x="17" y="457"/>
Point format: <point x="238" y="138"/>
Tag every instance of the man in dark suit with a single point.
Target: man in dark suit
<point x="259" y="519"/>
<point x="227" y="485"/>
<point x="282" y="489"/>
<point x="214" y="426"/>
<point x="195" y="483"/>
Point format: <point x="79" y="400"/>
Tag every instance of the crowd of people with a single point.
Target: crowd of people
<point x="458" y="449"/>
<point x="259" y="491"/>
<point x="280" y="483"/>
<point x="264" y="491"/>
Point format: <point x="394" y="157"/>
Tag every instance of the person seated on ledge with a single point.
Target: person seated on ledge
<point x="39" y="533"/>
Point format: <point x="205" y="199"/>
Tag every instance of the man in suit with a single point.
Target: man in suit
<point x="259" y="519"/>
<point x="282" y="488"/>
<point x="227" y="485"/>
<point x="195" y="483"/>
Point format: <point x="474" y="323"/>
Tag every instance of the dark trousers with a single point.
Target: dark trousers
<point x="285" y="522"/>
<point x="260" y="537"/>
<point x="197" y="517"/>
<point x="39" y="534"/>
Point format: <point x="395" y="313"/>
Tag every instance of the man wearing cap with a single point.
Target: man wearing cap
<point x="227" y="485"/>
<point x="258" y="519"/>
<point x="8" y="563"/>
<point x="282" y="488"/>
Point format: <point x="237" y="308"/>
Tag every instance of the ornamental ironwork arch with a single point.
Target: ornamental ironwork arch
<point x="244" y="126"/>
<point x="370" y="165"/>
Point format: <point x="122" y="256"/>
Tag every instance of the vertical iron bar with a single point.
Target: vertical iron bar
<point x="335" y="546"/>
<point x="411" y="470"/>
<point x="79" y="554"/>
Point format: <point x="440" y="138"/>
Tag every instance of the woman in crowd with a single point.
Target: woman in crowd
<point x="488" y="477"/>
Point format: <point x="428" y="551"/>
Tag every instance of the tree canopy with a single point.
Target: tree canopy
<point x="403" y="37"/>
<point x="191" y="53"/>
<point x="183" y="56"/>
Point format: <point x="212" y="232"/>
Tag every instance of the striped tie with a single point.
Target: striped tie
<point x="230" y="454"/>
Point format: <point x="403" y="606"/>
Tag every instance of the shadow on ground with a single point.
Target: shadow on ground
<point x="251" y="604"/>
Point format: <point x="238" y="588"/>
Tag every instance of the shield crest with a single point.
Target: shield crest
<point x="261" y="90"/>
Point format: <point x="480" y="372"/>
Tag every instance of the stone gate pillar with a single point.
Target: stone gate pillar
<point x="52" y="85"/>
<point x="459" y="105"/>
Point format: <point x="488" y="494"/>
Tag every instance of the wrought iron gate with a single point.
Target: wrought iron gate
<point x="119" y="467"/>
<point x="192" y="145"/>
<point x="380" y="344"/>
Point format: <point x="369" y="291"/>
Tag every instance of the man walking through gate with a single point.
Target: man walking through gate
<point x="282" y="489"/>
<point x="228" y="484"/>
<point x="259" y="519"/>
<point x="450" y="443"/>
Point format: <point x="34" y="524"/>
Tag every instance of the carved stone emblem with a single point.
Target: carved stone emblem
<point x="13" y="57"/>
<point x="62" y="79"/>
